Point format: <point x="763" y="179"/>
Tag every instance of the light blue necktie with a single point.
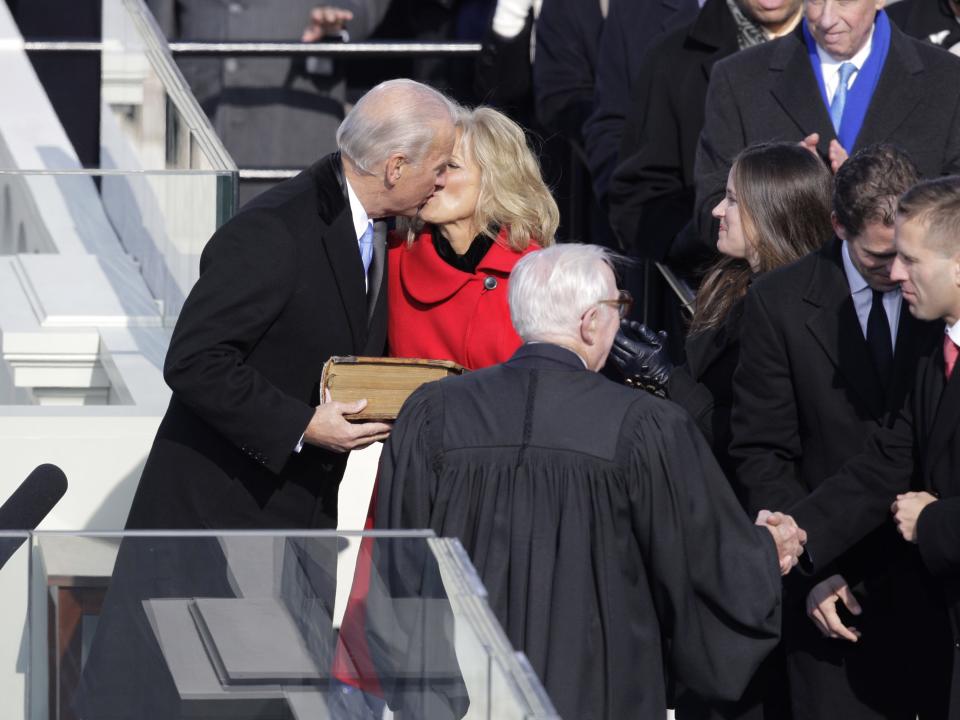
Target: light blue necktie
<point x="840" y="96"/>
<point x="366" y="247"/>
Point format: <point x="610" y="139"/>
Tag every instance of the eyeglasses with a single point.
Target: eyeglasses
<point x="623" y="303"/>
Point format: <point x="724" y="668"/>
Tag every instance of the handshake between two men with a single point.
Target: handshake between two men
<point x="788" y="536"/>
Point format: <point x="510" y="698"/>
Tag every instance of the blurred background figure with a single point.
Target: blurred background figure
<point x="270" y="112"/>
<point x="936" y="21"/>
<point x="448" y="276"/>
<point x="631" y="27"/>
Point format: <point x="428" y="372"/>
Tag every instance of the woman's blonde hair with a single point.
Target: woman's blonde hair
<point x="513" y="194"/>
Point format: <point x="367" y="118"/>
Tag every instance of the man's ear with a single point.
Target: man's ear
<point x="394" y="168"/>
<point x="838" y="229"/>
<point x="588" y="325"/>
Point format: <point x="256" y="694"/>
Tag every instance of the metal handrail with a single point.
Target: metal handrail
<point x="247" y="49"/>
<point x="369" y="49"/>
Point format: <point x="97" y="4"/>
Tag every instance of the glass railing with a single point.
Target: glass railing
<point x="255" y="625"/>
<point x="150" y="181"/>
<point x="15" y="623"/>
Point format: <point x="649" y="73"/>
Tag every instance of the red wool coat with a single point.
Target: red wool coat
<point x="436" y="311"/>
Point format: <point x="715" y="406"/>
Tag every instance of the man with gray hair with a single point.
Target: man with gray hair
<point x="609" y="542"/>
<point x="293" y="279"/>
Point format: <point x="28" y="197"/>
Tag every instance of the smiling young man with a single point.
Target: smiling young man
<point x="911" y="468"/>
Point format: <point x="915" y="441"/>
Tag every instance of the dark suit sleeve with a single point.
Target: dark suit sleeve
<point x="847" y="506"/>
<point x="696" y="399"/>
<point x="629" y="31"/>
<point x="648" y="197"/>
<point x="721" y="139"/>
<point x="951" y="164"/>
<point x="938" y="535"/>
<point x="604" y="128"/>
<point x="247" y="274"/>
<point x="563" y="67"/>
<point x="765" y="427"/>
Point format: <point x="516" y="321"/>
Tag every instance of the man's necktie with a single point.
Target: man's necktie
<point x="840" y="96"/>
<point x="878" y="337"/>
<point x="950" y="352"/>
<point x="366" y="247"/>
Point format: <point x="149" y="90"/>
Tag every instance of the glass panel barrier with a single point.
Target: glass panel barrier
<point x="15" y="624"/>
<point x="132" y="168"/>
<point x="242" y="625"/>
<point x="146" y="231"/>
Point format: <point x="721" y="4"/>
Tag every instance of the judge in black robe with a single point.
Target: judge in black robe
<point x="613" y="550"/>
<point x="611" y="545"/>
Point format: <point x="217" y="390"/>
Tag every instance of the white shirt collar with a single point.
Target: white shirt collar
<point x="360" y="218"/>
<point x="828" y="63"/>
<point x="954" y="332"/>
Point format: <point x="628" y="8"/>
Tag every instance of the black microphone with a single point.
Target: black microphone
<point x="30" y="504"/>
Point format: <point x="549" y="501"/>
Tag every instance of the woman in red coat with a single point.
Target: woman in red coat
<point x="448" y="274"/>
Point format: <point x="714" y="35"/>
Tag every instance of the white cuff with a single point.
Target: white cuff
<point x="510" y="16"/>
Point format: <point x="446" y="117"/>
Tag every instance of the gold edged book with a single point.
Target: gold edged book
<point x="385" y="382"/>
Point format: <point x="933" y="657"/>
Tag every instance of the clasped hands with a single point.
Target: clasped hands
<point x="835" y="153"/>
<point x="788" y="536"/>
<point x="329" y="428"/>
<point x="822" y="599"/>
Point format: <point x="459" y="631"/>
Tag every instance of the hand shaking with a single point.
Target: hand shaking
<point x="787" y="535"/>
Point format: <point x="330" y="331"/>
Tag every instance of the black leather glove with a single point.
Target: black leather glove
<point x="641" y="355"/>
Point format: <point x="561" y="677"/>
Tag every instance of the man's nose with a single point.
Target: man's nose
<point x="828" y="16"/>
<point x="897" y="271"/>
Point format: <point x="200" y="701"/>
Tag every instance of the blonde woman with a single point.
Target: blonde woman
<point x="448" y="275"/>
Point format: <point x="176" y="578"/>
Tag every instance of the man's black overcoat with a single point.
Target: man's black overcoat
<point x="281" y="290"/>
<point x="920" y="450"/>
<point x="807" y="398"/>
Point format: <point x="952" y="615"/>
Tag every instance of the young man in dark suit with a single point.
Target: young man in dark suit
<point x="294" y="278"/>
<point x="897" y="89"/>
<point x="911" y="467"/>
<point x="827" y="350"/>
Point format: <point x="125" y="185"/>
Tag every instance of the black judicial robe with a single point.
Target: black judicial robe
<point x="611" y="545"/>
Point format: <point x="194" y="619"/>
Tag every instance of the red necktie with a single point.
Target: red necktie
<point x="950" y="352"/>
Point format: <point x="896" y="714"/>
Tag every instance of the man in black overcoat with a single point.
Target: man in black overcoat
<point x="282" y="288"/>
<point x="910" y="468"/>
<point x="773" y="93"/>
<point x="293" y="279"/>
<point x="827" y="352"/>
